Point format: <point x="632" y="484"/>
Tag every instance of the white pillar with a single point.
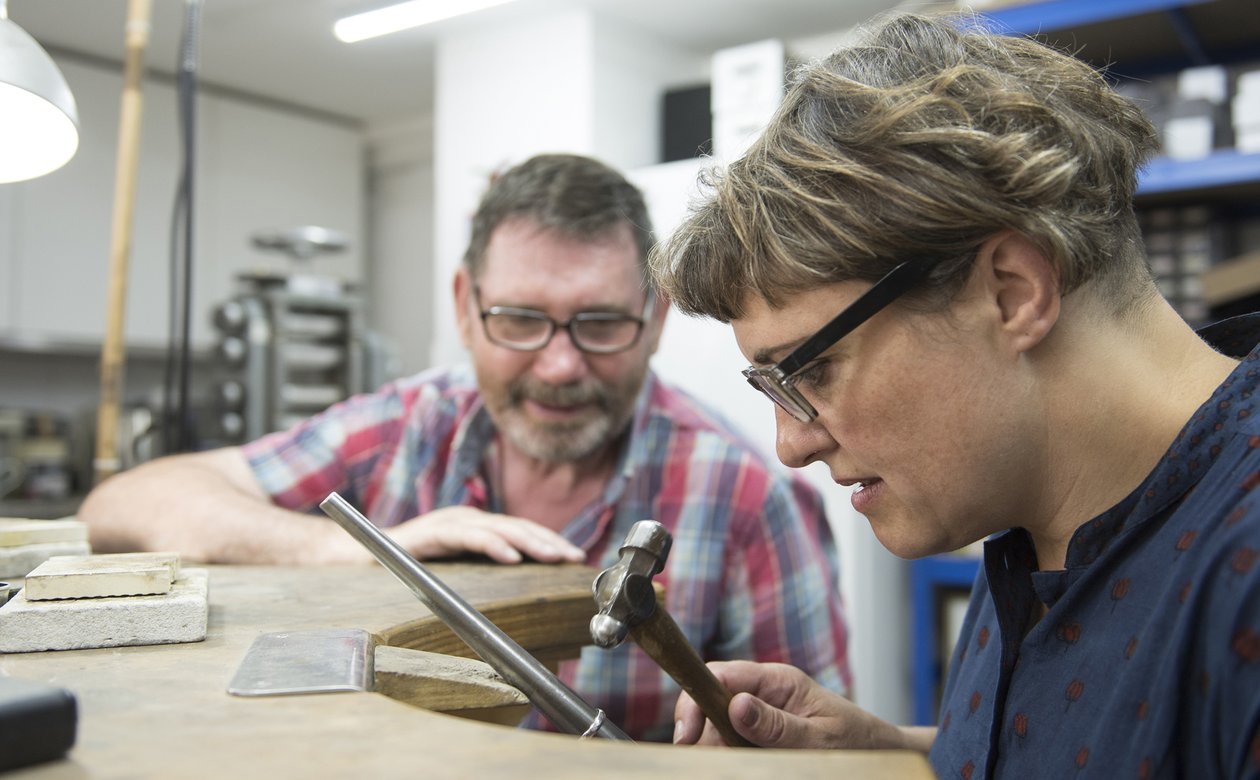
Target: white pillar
<point x="562" y="82"/>
<point x="502" y="94"/>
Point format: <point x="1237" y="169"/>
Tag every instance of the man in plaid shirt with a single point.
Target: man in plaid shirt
<point x="556" y="441"/>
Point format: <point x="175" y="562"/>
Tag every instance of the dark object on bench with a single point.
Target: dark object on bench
<point x="37" y="722"/>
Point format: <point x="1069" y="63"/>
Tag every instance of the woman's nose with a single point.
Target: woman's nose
<point x="798" y="443"/>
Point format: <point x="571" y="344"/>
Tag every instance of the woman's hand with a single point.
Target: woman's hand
<point x="779" y="706"/>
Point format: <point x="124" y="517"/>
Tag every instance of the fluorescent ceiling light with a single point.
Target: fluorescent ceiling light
<point x="404" y="16"/>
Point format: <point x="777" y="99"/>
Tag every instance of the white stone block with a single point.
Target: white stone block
<point x="19" y="561"/>
<point x="19" y="531"/>
<point x="97" y="576"/>
<point x="75" y="624"/>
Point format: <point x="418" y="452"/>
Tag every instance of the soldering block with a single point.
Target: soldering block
<point x="76" y="624"/>
<point x="98" y="576"/>
<point x="20" y="531"/>
<point x="20" y="561"/>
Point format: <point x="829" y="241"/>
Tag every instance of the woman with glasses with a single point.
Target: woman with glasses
<point x="931" y="260"/>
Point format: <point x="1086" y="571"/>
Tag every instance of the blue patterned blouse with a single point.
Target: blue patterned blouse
<point x="1147" y="662"/>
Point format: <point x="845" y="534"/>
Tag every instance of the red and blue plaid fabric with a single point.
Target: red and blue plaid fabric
<point x="751" y="574"/>
<point x="1147" y="662"/>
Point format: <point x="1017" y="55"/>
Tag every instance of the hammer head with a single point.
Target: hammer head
<point x="623" y="591"/>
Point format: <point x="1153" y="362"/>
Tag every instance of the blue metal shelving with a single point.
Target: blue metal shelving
<point x="1048" y="15"/>
<point x="1223" y="168"/>
<point x="928" y="576"/>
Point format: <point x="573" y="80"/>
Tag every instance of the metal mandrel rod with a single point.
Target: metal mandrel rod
<point x="558" y="702"/>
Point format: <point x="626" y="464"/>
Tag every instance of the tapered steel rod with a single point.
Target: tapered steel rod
<point x="557" y="701"/>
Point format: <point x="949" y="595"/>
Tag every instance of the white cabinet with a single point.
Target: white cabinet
<point x="258" y="167"/>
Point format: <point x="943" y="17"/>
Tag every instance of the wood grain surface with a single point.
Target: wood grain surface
<point x="162" y="711"/>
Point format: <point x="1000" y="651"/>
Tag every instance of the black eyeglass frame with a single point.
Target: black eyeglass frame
<point x="776" y="382"/>
<point x="554" y="324"/>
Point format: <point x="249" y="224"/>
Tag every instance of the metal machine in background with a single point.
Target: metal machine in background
<point x="291" y="345"/>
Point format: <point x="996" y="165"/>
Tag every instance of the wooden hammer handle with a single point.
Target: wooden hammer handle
<point x="661" y="638"/>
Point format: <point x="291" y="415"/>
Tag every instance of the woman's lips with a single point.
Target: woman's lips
<point x="867" y="495"/>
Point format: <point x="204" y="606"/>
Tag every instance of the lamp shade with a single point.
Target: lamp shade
<point x="39" y="125"/>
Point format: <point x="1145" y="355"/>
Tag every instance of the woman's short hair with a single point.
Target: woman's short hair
<point x="917" y="144"/>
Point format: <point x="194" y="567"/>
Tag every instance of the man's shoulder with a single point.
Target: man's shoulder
<point x="452" y="380"/>
<point x="695" y="428"/>
<point x="685" y="415"/>
<point x="450" y="388"/>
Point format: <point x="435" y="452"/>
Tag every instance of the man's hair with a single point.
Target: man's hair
<point x="577" y="196"/>
<point x="919" y="144"/>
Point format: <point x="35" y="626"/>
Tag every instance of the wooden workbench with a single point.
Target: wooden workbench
<point x="162" y="711"/>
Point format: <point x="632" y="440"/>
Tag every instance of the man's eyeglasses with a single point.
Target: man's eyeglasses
<point x="598" y="332"/>
<point x="779" y="381"/>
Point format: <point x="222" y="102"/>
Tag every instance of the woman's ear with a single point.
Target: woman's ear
<point x="1023" y="286"/>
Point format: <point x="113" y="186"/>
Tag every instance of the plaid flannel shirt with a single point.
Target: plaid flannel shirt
<point x="752" y="569"/>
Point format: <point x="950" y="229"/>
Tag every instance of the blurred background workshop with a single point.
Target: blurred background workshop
<point x="255" y="215"/>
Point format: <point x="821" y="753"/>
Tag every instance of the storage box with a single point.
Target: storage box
<point x="748" y="76"/>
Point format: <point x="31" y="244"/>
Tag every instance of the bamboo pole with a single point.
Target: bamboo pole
<point x="107" y="461"/>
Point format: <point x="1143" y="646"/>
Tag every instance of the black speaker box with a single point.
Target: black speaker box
<point x="687" y="124"/>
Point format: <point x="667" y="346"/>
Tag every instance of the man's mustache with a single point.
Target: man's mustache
<point x="572" y="394"/>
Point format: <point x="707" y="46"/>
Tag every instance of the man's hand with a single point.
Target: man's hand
<point x="779" y="706"/>
<point x="458" y="530"/>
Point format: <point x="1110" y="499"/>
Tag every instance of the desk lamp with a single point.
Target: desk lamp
<point x="40" y="129"/>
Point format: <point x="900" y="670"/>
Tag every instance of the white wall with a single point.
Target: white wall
<point x="563" y="82"/>
<point x="630" y="88"/>
<point x="400" y="278"/>
<point x="258" y="167"/>
<point x="503" y="94"/>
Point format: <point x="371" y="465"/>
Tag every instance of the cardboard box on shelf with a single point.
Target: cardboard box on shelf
<point x="1232" y="279"/>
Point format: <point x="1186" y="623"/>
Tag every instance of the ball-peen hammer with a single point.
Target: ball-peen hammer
<point x="627" y="605"/>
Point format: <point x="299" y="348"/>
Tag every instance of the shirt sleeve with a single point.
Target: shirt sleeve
<point x="336" y="450"/>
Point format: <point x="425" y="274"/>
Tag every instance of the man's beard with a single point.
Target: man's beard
<point x="607" y="413"/>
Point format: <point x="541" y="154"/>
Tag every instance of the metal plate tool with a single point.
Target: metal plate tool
<point x="293" y="662"/>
